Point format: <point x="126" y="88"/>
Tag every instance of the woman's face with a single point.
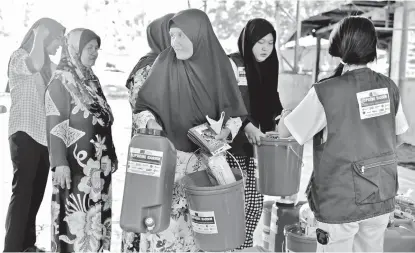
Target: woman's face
<point x="263" y="48"/>
<point x="90" y="54"/>
<point x="181" y="44"/>
<point x="53" y="47"/>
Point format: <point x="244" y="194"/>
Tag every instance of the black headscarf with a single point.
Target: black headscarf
<point x="262" y="77"/>
<point x="182" y="92"/>
<point x="158" y="39"/>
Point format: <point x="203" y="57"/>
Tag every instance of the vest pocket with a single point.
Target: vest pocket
<point x="375" y="179"/>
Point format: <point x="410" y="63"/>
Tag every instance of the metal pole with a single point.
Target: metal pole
<point x="389" y="58"/>
<point x="204" y="5"/>
<point x="297" y="38"/>
<point x="278" y="29"/>
<point x="317" y="67"/>
<point x="404" y="43"/>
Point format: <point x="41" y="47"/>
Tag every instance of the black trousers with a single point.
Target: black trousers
<point x="30" y="174"/>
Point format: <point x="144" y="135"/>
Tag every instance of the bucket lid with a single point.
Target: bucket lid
<point x="281" y="141"/>
<point x="285" y="204"/>
<point x="153" y="132"/>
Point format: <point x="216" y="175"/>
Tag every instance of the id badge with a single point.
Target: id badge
<point x="242" y="77"/>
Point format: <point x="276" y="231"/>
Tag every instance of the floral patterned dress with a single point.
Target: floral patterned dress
<point x="178" y="237"/>
<point x="81" y="215"/>
<point x="133" y="88"/>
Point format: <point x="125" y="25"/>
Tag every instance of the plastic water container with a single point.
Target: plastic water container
<point x="149" y="180"/>
<point x="400" y="237"/>
<point x="266" y="216"/>
<point x="279" y="166"/>
<point x="283" y="214"/>
<point x="296" y="241"/>
<point x="217" y="213"/>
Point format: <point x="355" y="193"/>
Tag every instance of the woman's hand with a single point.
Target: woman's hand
<point x="224" y="133"/>
<point x="253" y="134"/>
<point x="283" y="131"/>
<point x="152" y="124"/>
<point x="62" y="177"/>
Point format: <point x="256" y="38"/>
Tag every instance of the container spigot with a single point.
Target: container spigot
<point x="150" y="223"/>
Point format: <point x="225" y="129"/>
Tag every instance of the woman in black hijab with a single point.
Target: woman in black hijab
<point x="256" y="67"/>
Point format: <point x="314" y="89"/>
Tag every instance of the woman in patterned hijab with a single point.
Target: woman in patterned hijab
<point x="82" y="153"/>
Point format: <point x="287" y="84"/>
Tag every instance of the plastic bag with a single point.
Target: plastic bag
<point x="218" y="169"/>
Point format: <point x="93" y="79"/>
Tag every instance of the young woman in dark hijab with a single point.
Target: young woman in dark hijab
<point x="188" y="81"/>
<point x="158" y="38"/>
<point x="256" y="67"/>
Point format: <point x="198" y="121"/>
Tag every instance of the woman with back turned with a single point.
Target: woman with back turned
<point x="353" y="118"/>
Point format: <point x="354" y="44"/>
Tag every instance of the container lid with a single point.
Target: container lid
<point x="154" y="132"/>
<point x="272" y="140"/>
<point x="285" y="204"/>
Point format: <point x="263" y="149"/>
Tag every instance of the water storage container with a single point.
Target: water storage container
<point x="149" y="180"/>
<point x="296" y="241"/>
<point x="217" y="212"/>
<point x="400" y="237"/>
<point x="266" y="216"/>
<point x="283" y="214"/>
<point x="279" y="166"/>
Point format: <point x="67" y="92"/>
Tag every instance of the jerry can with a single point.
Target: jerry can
<point x="400" y="236"/>
<point x="283" y="214"/>
<point x="149" y="181"/>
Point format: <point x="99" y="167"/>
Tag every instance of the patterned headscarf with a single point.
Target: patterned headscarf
<point x="81" y="80"/>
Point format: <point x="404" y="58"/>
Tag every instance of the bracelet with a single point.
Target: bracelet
<point x="285" y="111"/>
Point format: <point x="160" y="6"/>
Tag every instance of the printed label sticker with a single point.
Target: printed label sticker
<point x="242" y="77"/>
<point x="373" y="103"/>
<point x="203" y="222"/>
<point x="145" y="162"/>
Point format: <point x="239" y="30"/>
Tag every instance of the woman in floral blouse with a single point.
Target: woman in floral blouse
<point x="158" y="40"/>
<point x="188" y="81"/>
<point x="81" y="148"/>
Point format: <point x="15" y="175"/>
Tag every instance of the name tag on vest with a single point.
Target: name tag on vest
<point x="373" y="103"/>
<point x="242" y="77"/>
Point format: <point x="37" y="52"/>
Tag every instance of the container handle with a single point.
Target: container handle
<point x="239" y="166"/>
<point x="298" y="156"/>
<point x="283" y="245"/>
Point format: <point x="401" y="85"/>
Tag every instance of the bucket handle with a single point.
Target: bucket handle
<point x="239" y="166"/>
<point x="283" y="245"/>
<point x="297" y="155"/>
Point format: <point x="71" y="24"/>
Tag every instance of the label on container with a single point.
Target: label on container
<point x="145" y="162"/>
<point x="203" y="222"/>
<point x="265" y="237"/>
<point x="373" y="103"/>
